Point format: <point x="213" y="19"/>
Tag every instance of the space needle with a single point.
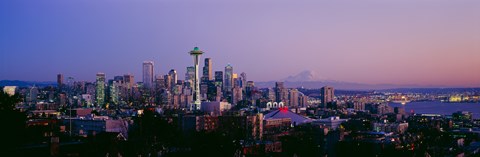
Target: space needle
<point x="196" y="53"/>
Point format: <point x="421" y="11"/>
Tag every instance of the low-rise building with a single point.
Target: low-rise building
<point x="397" y="127"/>
<point x="215" y="107"/>
<point x="87" y="126"/>
<point x="332" y="123"/>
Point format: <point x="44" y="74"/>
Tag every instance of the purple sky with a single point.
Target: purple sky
<point x="425" y="42"/>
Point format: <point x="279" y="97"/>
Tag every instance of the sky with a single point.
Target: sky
<point x="422" y="42"/>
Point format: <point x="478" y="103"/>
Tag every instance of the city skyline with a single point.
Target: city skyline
<point x="406" y="42"/>
<point x="275" y="78"/>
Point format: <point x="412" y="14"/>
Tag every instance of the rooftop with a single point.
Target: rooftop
<point x="196" y="51"/>
<point x="285" y="113"/>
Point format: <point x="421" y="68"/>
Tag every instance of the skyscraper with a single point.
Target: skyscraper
<point x="190" y="76"/>
<point x="219" y="78"/>
<point x="196" y="53"/>
<point x="293" y="96"/>
<point x="249" y="87"/>
<point x="148" y="74"/>
<point x="129" y="80"/>
<point x="118" y="78"/>
<point x="207" y="70"/>
<point x="100" y="90"/>
<point x="218" y="96"/>
<point x="69" y="85"/>
<point x="327" y="95"/>
<point x="121" y="88"/>
<point x="279" y="90"/>
<point x="303" y="100"/>
<point x="32" y="95"/>
<point x="237" y="82"/>
<point x="114" y="87"/>
<point x="237" y="95"/>
<point x="168" y="82"/>
<point x="228" y="81"/>
<point x="243" y="76"/>
<point x="60" y="81"/>
<point x="271" y="94"/>
<point x="173" y="77"/>
<point x="159" y="82"/>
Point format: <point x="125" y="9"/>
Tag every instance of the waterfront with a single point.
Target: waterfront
<point x="437" y="107"/>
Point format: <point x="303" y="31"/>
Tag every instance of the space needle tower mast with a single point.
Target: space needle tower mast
<point x="196" y="53"/>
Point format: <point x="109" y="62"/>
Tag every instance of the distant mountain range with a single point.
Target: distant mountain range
<point x="336" y="85"/>
<point x="433" y="90"/>
<point x="26" y="83"/>
<point x="310" y="79"/>
<point x="305" y="79"/>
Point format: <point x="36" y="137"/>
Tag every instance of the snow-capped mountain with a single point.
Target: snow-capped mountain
<point x="304" y="76"/>
<point x="311" y="79"/>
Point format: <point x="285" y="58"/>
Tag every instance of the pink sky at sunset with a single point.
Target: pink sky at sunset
<point x="422" y="42"/>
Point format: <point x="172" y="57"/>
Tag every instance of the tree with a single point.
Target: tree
<point x="7" y="102"/>
<point x="242" y="104"/>
<point x="13" y="123"/>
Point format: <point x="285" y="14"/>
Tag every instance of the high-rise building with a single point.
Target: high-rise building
<point x="360" y="106"/>
<point x="219" y="78"/>
<point x="120" y="89"/>
<point x="190" y="76"/>
<point x="243" y="77"/>
<point x="100" y="89"/>
<point x="148" y="74"/>
<point x="196" y="53"/>
<point x="249" y="87"/>
<point x="159" y="82"/>
<point x="129" y="80"/>
<point x="303" y="100"/>
<point x="271" y="94"/>
<point x="293" y="96"/>
<point x="60" y="81"/>
<point x="32" y="95"/>
<point x="326" y="95"/>
<point x="168" y="82"/>
<point x="114" y="87"/>
<point x="237" y="95"/>
<point x="204" y="91"/>
<point x="91" y="88"/>
<point x="173" y="77"/>
<point x="237" y="81"/>
<point x="207" y="70"/>
<point x="62" y="99"/>
<point x="279" y="90"/>
<point x="228" y="80"/>
<point x="218" y="96"/>
<point x="118" y="78"/>
<point x="86" y="100"/>
<point x="69" y="85"/>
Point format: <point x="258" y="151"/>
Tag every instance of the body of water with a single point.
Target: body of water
<point x="437" y="107"/>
